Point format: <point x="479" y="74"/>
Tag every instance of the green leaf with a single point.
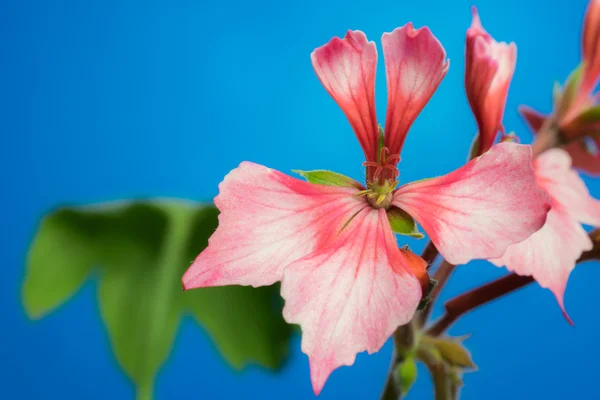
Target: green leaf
<point x="402" y="223"/>
<point x="328" y="178"/>
<point x="406" y="375"/>
<point x="141" y="250"/>
<point x="451" y="350"/>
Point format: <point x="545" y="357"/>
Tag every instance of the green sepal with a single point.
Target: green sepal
<point x="452" y="351"/>
<point x="510" y="137"/>
<point x="570" y="91"/>
<point x="423" y="303"/>
<point x="474" y="148"/>
<point x="591" y="115"/>
<point x="556" y="94"/>
<point x="403" y="224"/>
<point x="426" y="299"/>
<point x="406" y="374"/>
<point x="328" y="178"/>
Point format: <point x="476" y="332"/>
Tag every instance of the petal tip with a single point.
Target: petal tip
<point x="569" y="320"/>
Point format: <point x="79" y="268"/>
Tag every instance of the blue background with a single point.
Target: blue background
<point x="104" y="100"/>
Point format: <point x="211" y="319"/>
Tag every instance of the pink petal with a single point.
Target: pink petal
<point x="415" y="64"/>
<point x="550" y="254"/>
<point x="350" y="296"/>
<point x="268" y="220"/>
<point x="566" y="188"/>
<point x="591" y="48"/>
<point x="481" y="208"/>
<point x="489" y="69"/>
<point x="346" y="67"/>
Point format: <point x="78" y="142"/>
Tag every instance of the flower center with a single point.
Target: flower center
<point x="384" y="169"/>
<point x="379" y="196"/>
<point x="381" y="179"/>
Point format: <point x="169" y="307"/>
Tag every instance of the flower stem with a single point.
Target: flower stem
<point x="404" y="341"/>
<point x="430" y="253"/>
<point x="441" y="276"/>
<point x="438" y="373"/>
<point x="391" y="391"/>
<point x="475" y="298"/>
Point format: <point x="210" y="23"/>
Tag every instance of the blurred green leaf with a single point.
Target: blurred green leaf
<point x="141" y="250"/>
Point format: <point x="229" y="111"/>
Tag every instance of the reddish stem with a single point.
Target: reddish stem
<point x="479" y="296"/>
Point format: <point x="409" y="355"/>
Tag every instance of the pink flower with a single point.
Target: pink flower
<point x="579" y="98"/>
<point x="550" y="254"/>
<point x="489" y="69"/>
<point x="344" y="279"/>
<point x="575" y="120"/>
<point x="584" y="151"/>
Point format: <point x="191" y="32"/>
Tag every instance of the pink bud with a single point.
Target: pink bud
<point x="591" y="48"/>
<point x="489" y="69"/>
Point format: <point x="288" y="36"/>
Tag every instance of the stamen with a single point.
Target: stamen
<point x="394" y="158"/>
<point x="393" y="169"/>
<point x="382" y="154"/>
<point x="378" y="172"/>
<point x="363" y="192"/>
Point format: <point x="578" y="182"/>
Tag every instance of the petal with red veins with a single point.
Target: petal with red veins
<point x="346" y="67"/>
<point x="268" y="220"/>
<point x="565" y="187"/>
<point x="350" y="296"/>
<point x="550" y="254"/>
<point x="415" y="64"/>
<point x="481" y="208"/>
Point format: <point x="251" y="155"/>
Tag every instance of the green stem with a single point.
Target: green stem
<point x="144" y="391"/>
<point x="439" y="375"/>
<point x="404" y="341"/>
<point x="391" y="391"/>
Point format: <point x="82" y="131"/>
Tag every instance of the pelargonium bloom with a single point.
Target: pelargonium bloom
<point x="344" y="279"/>
<point x="575" y="120"/>
<point x="584" y="152"/>
<point x="550" y="254"/>
<point x="489" y="69"/>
